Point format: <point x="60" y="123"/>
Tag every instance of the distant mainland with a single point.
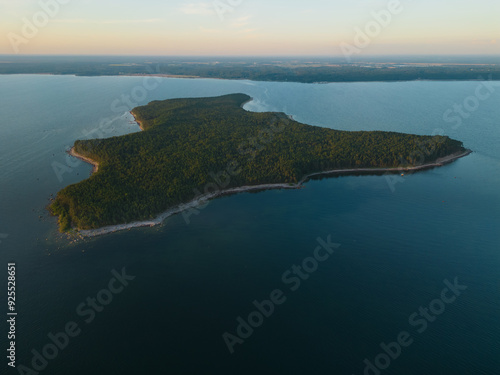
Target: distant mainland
<point x="285" y="69"/>
<point x="193" y="150"/>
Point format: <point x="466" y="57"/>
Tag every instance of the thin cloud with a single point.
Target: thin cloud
<point x="106" y="22"/>
<point x="203" y="9"/>
<point x="483" y="41"/>
<point x="241" y="22"/>
<point x="243" y="25"/>
<point x="204" y="30"/>
<point x="247" y="31"/>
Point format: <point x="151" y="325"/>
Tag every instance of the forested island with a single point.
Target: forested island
<point x="203" y="147"/>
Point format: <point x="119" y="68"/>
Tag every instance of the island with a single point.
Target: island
<point x="192" y="150"/>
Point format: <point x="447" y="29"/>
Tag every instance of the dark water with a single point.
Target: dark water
<point x="192" y="282"/>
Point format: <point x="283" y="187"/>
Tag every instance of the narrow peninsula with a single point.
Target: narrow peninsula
<point x="195" y="149"/>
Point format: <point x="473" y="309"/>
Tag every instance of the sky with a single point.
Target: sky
<point x="250" y="27"/>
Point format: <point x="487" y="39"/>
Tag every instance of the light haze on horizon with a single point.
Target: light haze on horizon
<point x="252" y="27"/>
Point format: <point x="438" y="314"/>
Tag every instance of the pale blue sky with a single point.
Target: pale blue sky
<point x="254" y="27"/>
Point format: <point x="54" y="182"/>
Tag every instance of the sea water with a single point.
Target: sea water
<point x="400" y="241"/>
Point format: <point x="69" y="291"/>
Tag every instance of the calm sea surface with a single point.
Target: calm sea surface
<point x="400" y="239"/>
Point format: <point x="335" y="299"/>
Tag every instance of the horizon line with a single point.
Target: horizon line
<point x="256" y="55"/>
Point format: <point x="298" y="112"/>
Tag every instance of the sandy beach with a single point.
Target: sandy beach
<point x="138" y="122"/>
<point x="72" y="152"/>
<point x="204" y="198"/>
<point x="248" y="101"/>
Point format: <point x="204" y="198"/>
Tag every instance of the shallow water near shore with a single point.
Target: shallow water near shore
<point x="399" y="240"/>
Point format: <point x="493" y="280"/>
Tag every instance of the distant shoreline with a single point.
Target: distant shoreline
<point x="306" y="83"/>
<point x="198" y="201"/>
<point x="173" y="76"/>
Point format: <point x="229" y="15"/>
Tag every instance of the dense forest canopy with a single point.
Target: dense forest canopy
<point x="193" y="146"/>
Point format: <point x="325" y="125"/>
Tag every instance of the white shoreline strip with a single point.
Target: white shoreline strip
<point x="95" y="164"/>
<point x="196" y="202"/>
